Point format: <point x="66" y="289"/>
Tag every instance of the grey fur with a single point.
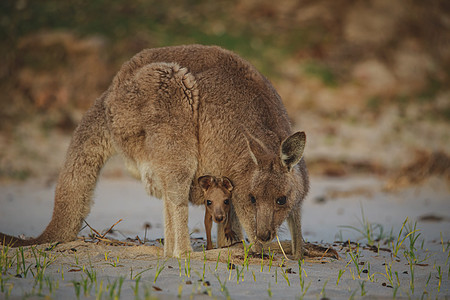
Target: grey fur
<point x="174" y="114"/>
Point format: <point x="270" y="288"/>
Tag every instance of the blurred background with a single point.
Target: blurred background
<point x="367" y="80"/>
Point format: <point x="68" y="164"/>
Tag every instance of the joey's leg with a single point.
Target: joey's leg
<point x="233" y="221"/>
<point x="208" y="226"/>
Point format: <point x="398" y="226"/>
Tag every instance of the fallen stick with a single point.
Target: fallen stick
<point x="110" y="228"/>
<point x="95" y="231"/>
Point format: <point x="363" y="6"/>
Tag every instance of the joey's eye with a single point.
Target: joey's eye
<point x="253" y="199"/>
<point x="226" y="201"/>
<point x="281" y="200"/>
<point x="208" y="202"/>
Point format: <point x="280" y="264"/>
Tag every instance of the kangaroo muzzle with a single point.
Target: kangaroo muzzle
<point x="219" y="216"/>
<point x="264" y="237"/>
<point x="264" y="232"/>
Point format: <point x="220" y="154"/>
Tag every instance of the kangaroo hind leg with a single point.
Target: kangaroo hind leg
<point x="172" y="182"/>
<point x="168" y="153"/>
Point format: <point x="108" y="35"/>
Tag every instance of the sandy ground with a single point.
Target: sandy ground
<point x="92" y="269"/>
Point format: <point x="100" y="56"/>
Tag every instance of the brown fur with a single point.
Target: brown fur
<point x="217" y="199"/>
<point x="178" y="112"/>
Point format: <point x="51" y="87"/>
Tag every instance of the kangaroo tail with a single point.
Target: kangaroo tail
<point x="90" y="148"/>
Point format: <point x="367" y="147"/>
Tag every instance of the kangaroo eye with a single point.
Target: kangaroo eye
<point x="281" y="200"/>
<point x="253" y="199"/>
<point x="208" y="202"/>
<point x="226" y="201"/>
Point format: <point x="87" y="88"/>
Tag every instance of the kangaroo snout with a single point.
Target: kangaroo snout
<point x="264" y="236"/>
<point x="219" y="218"/>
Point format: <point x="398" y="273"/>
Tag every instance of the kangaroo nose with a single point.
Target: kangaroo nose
<point x="219" y="219"/>
<point x="265" y="237"/>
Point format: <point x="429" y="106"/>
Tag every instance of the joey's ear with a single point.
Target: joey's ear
<point x="227" y="184"/>
<point x="291" y="150"/>
<point x="206" y="182"/>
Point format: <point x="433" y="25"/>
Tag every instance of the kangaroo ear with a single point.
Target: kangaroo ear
<point x="206" y="182"/>
<point x="227" y="184"/>
<point x="256" y="148"/>
<point x="291" y="150"/>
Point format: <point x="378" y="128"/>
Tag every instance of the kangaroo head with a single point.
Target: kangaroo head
<point x="217" y="194"/>
<point x="276" y="185"/>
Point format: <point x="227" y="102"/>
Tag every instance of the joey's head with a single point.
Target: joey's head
<point x="217" y="193"/>
<point x="278" y="183"/>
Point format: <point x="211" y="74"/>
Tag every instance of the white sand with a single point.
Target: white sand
<point x="26" y="209"/>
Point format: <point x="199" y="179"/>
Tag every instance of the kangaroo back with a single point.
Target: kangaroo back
<point x="89" y="150"/>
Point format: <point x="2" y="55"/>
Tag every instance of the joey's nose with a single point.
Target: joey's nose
<point x="219" y="219"/>
<point x="265" y="237"/>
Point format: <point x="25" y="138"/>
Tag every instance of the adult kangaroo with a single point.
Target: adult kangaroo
<point x="174" y="114"/>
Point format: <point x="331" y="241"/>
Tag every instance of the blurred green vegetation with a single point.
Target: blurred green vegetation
<point x="336" y="60"/>
<point x="321" y="71"/>
<point x="158" y="23"/>
<point x="261" y="32"/>
<point x="310" y="36"/>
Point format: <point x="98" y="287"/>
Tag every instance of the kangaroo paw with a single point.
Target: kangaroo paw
<point x="230" y="236"/>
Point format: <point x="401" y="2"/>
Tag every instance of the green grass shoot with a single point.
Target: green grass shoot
<point x="399" y="241"/>
<point x="341" y="272"/>
<point x="217" y="262"/>
<point x="159" y="270"/>
<point x="187" y="265"/>
<point x="285" y="276"/>
<point x="136" y="287"/>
